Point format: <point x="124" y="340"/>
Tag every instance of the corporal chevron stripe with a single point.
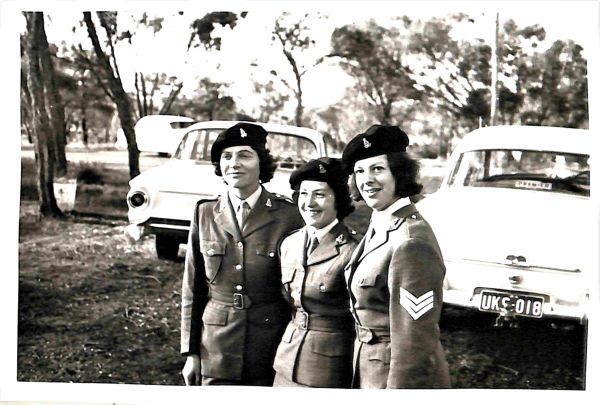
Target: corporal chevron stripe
<point x="416" y="306"/>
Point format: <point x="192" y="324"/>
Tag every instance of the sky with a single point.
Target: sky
<point x="250" y="41"/>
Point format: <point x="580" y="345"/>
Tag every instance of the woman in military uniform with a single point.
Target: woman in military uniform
<point x="233" y="312"/>
<point x="316" y="348"/>
<point x="396" y="273"/>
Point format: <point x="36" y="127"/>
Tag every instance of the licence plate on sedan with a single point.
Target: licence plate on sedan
<point x="511" y="303"/>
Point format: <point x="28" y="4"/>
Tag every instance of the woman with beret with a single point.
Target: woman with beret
<point x="396" y="273"/>
<point x="233" y="312"/>
<point x="316" y="348"/>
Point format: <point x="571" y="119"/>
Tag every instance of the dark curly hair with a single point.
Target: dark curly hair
<point x="405" y="170"/>
<point x="266" y="166"/>
<point x="341" y="193"/>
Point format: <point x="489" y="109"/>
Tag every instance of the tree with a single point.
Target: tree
<point x="272" y="102"/>
<point x="45" y="112"/>
<point x="294" y="40"/>
<point x="210" y="102"/>
<point x="373" y="55"/>
<point x="106" y="69"/>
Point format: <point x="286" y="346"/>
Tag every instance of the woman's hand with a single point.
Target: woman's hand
<point x="191" y="370"/>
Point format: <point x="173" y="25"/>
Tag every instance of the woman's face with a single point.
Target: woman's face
<point x="240" y="167"/>
<point x="375" y="182"/>
<point x="316" y="202"/>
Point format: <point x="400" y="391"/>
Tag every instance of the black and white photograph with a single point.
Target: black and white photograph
<point x="300" y="201"/>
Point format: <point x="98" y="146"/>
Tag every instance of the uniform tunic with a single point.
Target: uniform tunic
<point x="233" y="312"/>
<point x="317" y="353"/>
<point x="395" y="287"/>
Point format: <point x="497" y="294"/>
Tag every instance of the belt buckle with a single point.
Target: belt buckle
<point x="304" y="324"/>
<point x="238" y="301"/>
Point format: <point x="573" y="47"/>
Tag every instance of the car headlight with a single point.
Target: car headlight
<point x="137" y="199"/>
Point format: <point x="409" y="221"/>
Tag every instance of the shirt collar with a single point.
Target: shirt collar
<point x="251" y="200"/>
<point x="321" y="232"/>
<point x="382" y="219"/>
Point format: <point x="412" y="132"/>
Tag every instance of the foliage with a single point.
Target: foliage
<point x="210" y="102"/>
<point x="202" y="29"/>
<point x="373" y="56"/>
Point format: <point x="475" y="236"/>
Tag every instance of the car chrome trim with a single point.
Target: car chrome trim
<point x="513" y="265"/>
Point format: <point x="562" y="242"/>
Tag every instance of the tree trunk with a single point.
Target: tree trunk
<point x="54" y="105"/>
<point x="42" y="131"/>
<point x="119" y="96"/>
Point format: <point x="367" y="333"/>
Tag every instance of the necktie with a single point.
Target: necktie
<point x="313" y="244"/>
<point x="242" y="214"/>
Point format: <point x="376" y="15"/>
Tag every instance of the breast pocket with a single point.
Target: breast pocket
<point x="265" y="250"/>
<point x="287" y="275"/>
<point x="330" y="283"/>
<point x="369" y="280"/>
<point x="212" y="252"/>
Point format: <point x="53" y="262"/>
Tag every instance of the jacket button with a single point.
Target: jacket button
<point x="322" y="287"/>
<point x="238" y="287"/>
<point x="238" y="266"/>
<point x="271" y="254"/>
<point x="240" y="245"/>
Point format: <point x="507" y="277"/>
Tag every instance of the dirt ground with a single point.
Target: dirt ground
<point x="94" y="307"/>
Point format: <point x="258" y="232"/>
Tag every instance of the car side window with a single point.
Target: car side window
<point x="290" y="152"/>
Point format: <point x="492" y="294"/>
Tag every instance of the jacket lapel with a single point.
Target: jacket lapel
<point x="328" y="248"/>
<point x="260" y="215"/>
<point x="225" y="217"/>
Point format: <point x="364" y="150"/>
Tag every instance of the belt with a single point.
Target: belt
<point x="243" y="301"/>
<point x="323" y="323"/>
<point x="372" y="335"/>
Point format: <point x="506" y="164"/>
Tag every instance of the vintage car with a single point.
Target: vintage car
<point x="161" y="200"/>
<point x="514" y="220"/>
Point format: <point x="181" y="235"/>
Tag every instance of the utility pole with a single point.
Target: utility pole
<point x="495" y="62"/>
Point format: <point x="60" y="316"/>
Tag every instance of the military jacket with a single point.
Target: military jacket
<point x="319" y="356"/>
<point x="395" y="285"/>
<point x="233" y="312"/>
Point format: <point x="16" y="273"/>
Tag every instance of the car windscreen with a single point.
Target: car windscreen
<point x="543" y="171"/>
<point x="288" y="151"/>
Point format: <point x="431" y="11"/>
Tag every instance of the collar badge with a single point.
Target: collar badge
<point x="340" y="238"/>
<point x="269" y="203"/>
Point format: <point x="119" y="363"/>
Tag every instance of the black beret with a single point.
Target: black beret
<point x="243" y="133"/>
<point x="328" y="170"/>
<point x="377" y="140"/>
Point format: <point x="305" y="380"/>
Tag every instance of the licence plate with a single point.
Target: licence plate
<point x="511" y="303"/>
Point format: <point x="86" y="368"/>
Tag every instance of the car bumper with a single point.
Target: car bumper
<point x="565" y="294"/>
<point x="177" y="229"/>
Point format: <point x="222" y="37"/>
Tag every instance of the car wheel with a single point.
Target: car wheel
<point x="166" y="247"/>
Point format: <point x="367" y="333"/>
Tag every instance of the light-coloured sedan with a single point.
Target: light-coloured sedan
<point x="161" y="200"/>
<point x="515" y="222"/>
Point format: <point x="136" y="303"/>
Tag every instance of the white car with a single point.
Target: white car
<point x="514" y="219"/>
<point x="161" y="200"/>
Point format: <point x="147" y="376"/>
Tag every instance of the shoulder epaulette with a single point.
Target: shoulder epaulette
<point x="207" y="199"/>
<point x="282" y="197"/>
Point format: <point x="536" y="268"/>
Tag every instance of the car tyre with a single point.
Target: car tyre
<point x="166" y="247"/>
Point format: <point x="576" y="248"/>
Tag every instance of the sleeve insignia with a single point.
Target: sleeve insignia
<point x="416" y="306"/>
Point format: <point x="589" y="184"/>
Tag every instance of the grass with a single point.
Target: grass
<point x="100" y="189"/>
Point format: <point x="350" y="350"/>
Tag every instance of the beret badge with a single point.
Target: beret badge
<point x="366" y="143"/>
<point x="321" y="169"/>
<point x="243" y="133"/>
